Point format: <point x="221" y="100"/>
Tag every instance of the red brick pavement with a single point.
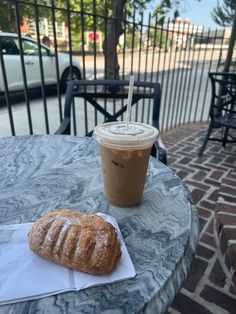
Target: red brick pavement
<point x="207" y="289"/>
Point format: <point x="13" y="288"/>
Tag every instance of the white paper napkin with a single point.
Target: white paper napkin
<point x="26" y="276"/>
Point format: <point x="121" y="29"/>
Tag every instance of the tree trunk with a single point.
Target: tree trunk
<point x="114" y="30"/>
<point x="231" y="45"/>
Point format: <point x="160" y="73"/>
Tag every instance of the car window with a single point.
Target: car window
<point x="31" y="49"/>
<point x="9" y="46"/>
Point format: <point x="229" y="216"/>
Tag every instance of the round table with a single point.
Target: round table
<point x="41" y="173"/>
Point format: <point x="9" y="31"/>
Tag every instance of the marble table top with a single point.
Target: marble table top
<point x="41" y="173"/>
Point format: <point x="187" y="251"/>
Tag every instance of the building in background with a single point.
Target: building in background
<point x="28" y="27"/>
<point x="180" y="33"/>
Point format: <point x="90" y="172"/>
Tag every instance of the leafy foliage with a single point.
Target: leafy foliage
<point x="77" y="7"/>
<point x="165" y="7"/>
<point x="223" y="14"/>
<point x="7" y="16"/>
<point x="9" y="11"/>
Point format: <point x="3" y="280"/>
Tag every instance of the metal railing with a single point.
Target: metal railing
<point x="179" y="56"/>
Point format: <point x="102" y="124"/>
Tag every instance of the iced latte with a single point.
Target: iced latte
<point x="125" y="152"/>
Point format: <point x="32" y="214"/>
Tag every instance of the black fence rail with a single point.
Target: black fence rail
<point x="177" y="54"/>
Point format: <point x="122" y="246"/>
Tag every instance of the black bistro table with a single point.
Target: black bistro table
<point x="41" y="173"/>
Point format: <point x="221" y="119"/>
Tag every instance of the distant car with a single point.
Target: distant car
<point x="12" y="62"/>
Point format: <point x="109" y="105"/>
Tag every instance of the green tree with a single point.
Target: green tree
<point x="164" y="8"/>
<point x="115" y="9"/>
<point x="223" y="14"/>
<point x="9" y="11"/>
<point x="8" y="16"/>
<point x="89" y="15"/>
<point x="85" y="15"/>
<point x="115" y="29"/>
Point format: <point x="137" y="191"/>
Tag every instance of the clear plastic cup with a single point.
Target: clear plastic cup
<point x="125" y="152"/>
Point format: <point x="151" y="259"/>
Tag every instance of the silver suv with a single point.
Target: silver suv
<point x="11" y="55"/>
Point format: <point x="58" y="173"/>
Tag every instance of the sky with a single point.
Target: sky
<point x="198" y="12"/>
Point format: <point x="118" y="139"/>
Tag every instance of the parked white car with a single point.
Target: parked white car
<point x="12" y="61"/>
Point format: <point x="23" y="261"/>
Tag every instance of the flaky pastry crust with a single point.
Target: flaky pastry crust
<point x="76" y="240"/>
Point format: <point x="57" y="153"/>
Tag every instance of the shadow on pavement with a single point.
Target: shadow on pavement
<point x="33" y="94"/>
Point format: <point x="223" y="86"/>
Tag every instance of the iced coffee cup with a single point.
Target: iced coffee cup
<point x="125" y="151"/>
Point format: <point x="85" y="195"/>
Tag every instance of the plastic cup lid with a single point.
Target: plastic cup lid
<point x="118" y="134"/>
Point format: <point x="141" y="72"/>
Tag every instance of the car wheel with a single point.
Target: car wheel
<point x="76" y="75"/>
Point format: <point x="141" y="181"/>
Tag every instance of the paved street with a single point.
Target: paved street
<point x="185" y="91"/>
<point x="20" y="117"/>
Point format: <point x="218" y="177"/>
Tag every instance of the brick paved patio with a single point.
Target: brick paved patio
<point x="207" y="289"/>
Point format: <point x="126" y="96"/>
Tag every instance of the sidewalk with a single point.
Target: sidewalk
<point x="206" y="289"/>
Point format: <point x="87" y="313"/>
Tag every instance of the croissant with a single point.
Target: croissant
<point x="76" y="240"/>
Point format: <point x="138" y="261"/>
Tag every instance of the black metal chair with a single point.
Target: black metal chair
<point x="107" y="97"/>
<point x="222" y="108"/>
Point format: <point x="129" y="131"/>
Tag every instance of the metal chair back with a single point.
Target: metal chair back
<point x="222" y="108"/>
<point x="108" y="98"/>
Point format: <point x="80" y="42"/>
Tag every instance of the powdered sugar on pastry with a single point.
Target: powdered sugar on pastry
<point x="76" y="240"/>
